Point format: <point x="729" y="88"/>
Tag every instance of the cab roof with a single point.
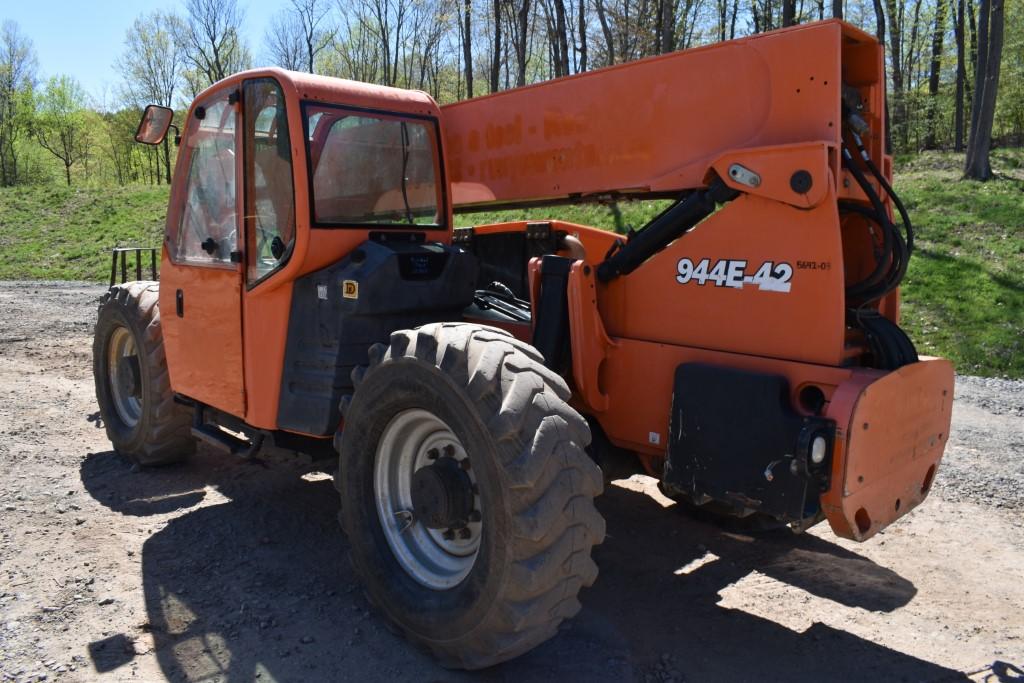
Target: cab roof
<point x="340" y="91"/>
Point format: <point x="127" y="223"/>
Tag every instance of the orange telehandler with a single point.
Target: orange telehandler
<point x="742" y="347"/>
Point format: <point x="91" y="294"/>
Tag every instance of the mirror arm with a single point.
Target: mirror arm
<point x="177" y="134"/>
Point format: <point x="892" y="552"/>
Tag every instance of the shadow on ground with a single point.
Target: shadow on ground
<point x="259" y="585"/>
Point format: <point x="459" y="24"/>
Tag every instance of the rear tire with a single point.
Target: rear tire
<point x="133" y="388"/>
<point x="493" y="403"/>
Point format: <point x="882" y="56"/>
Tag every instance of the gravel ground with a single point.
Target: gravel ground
<point x="984" y="460"/>
<point x="228" y="571"/>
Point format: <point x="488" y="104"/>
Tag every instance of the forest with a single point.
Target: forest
<point x="955" y="67"/>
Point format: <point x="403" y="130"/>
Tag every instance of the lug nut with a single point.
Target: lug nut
<point x="433" y="454"/>
<point x="449" y="535"/>
<point x="449" y="450"/>
<point x="464" y="533"/>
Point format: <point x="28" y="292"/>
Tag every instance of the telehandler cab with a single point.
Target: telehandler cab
<point x="742" y="347"/>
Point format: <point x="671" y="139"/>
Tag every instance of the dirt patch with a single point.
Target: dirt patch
<point x="228" y="570"/>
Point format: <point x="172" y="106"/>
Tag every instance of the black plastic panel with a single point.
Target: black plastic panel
<point x="339" y="312"/>
<point x="551" y="332"/>
<point x="736" y="439"/>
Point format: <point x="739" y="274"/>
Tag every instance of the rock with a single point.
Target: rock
<point x="105" y="601"/>
<point x="306" y="640"/>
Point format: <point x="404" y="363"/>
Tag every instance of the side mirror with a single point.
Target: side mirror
<point x="156" y="120"/>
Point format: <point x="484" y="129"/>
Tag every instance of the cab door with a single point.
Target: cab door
<point x="201" y="277"/>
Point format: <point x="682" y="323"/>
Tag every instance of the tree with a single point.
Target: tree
<point x="496" y="45"/>
<point x="210" y="37"/>
<point x="60" y="124"/>
<point x="788" y="12"/>
<point x="17" y="78"/>
<point x="151" y="66"/>
<point x="961" y="77"/>
<point x="298" y="34"/>
<point x="986" y="85"/>
<point x="466" y="34"/>
<point x="284" y="41"/>
<point x="933" y="79"/>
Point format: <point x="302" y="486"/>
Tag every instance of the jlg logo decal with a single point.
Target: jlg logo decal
<point x="769" y="276"/>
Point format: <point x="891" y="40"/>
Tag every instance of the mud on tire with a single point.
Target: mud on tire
<point x="536" y="488"/>
<point x="133" y="388"/>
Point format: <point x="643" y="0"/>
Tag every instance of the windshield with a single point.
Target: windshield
<point x="369" y="168"/>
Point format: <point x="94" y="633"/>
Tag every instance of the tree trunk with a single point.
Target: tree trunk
<point x="990" y="52"/>
<point x="958" y="127"/>
<point x="523" y="17"/>
<point x="167" y="161"/>
<point x="609" y="40"/>
<point x="837" y="9"/>
<point x="496" y="55"/>
<point x="788" y="12"/>
<point x="898" y="117"/>
<point x="583" y="36"/>
<point x="561" y="34"/>
<point x="667" y="26"/>
<point x="981" y="46"/>
<point x="467" y="46"/>
<point x="67" y="173"/>
<point x="933" y="77"/>
<point x="880" y="34"/>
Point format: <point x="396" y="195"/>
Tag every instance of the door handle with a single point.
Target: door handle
<point x="179" y="303"/>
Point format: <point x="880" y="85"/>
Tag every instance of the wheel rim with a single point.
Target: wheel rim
<point x="123" y="376"/>
<point x="438" y="558"/>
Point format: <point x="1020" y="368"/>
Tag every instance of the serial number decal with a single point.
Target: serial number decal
<point x="768" y="277"/>
<point x="814" y="265"/>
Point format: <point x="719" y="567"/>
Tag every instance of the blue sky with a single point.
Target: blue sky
<point x="82" y="39"/>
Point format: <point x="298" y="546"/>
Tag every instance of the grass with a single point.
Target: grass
<point x="54" y="232"/>
<point x="963" y="295"/>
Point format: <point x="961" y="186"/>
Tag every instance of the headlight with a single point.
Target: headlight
<point x="818" y="447"/>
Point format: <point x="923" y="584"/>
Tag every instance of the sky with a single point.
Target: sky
<point x="83" y="39"/>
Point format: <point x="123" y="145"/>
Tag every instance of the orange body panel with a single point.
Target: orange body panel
<point x="894" y="429"/>
<point x="204" y="348"/>
<point x="804" y="323"/>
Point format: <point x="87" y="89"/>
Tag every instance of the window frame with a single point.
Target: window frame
<point x="251" y="284"/>
<point x="441" y="179"/>
<point x="180" y="204"/>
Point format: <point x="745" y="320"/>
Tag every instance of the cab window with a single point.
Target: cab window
<point x="207" y="232"/>
<point x="377" y="169"/>
<point x="270" y="195"/>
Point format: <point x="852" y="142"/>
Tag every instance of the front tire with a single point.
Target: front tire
<point x="133" y="387"/>
<point x="470" y="415"/>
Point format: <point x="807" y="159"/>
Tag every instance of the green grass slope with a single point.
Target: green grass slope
<point x="59" y="233"/>
<point x="963" y="294"/>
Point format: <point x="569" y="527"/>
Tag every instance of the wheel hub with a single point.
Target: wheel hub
<point x="442" y="495"/>
<point x="124" y="376"/>
<point x="427" y="499"/>
<point x="128" y="375"/>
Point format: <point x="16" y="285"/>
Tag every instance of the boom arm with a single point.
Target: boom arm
<point x="655" y="126"/>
